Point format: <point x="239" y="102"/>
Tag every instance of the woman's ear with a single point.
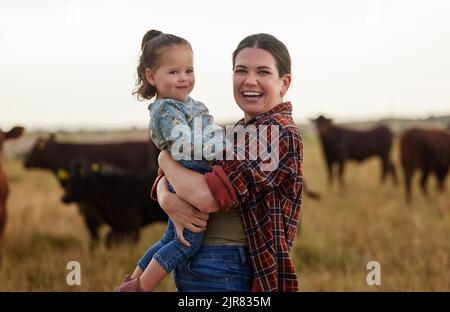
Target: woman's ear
<point x="286" y="82"/>
<point x="150" y="76"/>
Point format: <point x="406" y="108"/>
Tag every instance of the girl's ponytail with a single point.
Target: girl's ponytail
<point x="151" y="34"/>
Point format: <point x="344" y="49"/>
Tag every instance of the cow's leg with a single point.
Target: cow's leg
<point x="330" y="173"/>
<point x="441" y="180"/>
<point x="117" y="237"/>
<point x="387" y="167"/>
<point x="341" y="173"/>
<point x="132" y="235"/>
<point x="114" y="238"/>
<point x="136" y="235"/>
<point x="393" y="172"/>
<point x="408" y="175"/>
<point x="93" y="221"/>
<point x="423" y="182"/>
<point x="384" y="168"/>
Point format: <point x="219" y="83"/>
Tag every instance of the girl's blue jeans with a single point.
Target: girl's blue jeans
<point x="169" y="251"/>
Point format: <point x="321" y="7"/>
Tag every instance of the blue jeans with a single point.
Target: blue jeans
<point x="216" y="268"/>
<point x="169" y="251"/>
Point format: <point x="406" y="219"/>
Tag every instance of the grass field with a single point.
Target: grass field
<point x="339" y="235"/>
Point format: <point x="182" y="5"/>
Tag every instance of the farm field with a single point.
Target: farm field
<point x="339" y="234"/>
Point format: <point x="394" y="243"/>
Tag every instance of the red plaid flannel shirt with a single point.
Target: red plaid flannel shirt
<point x="269" y="202"/>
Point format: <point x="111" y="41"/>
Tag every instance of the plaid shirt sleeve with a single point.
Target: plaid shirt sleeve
<point x="233" y="181"/>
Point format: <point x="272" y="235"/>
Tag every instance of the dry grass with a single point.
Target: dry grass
<point x="339" y="236"/>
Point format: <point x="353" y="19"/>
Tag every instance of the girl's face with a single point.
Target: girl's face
<point x="174" y="78"/>
<point x="257" y="86"/>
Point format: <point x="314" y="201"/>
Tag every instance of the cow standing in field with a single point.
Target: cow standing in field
<point x="4" y="187"/>
<point x="121" y="197"/>
<point x="428" y="151"/>
<point x="340" y="144"/>
<point x="57" y="157"/>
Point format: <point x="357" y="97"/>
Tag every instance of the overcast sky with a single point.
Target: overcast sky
<point x="70" y="64"/>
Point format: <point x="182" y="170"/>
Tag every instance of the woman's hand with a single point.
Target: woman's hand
<point x="189" y="185"/>
<point x="182" y="214"/>
<point x="163" y="155"/>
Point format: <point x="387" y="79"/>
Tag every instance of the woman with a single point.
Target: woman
<point x="250" y="238"/>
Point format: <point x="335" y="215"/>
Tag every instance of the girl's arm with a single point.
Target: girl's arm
<point x="182" y="214"/>
<point x="189" y="185"/>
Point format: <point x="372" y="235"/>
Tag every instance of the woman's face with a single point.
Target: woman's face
<point x="257" y="86"/>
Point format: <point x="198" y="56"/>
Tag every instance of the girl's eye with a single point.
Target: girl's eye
<point x="173" y="72"/>
<point x="190" y="71"/>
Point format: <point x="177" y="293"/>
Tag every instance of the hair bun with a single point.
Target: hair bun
<point x="149" y="35"/>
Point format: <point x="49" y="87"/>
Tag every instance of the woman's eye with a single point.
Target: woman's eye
<point x="239" y="71"/>
<point x="173" y="72"/>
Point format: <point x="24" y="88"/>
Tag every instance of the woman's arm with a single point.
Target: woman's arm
<point x="188" y="184"/>
<point x="182" y="214"/>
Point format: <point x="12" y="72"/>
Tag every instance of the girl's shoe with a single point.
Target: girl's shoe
<point x="129" y="285"/>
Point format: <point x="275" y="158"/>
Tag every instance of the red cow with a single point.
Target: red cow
<point x="428" y="151"/>
<point x="4" y="188"/>
<point x="340" y="144"/>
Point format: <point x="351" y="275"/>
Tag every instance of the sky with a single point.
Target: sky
<point x="70" y="64"/>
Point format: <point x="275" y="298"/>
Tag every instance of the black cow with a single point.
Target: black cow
<point x="428" y="151"/>
<point x="57" y="157"/>
<point x="121" y="197"/>
<point x="340" y="144"/>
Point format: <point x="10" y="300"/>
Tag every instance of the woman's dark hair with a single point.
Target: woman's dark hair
<point x="152" y="45"/>
<point x="270" y="44"/>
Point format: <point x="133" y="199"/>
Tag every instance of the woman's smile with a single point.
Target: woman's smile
<point x="256" y="82"/>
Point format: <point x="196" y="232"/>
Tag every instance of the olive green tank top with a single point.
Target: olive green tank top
<point x="225" y="228"/>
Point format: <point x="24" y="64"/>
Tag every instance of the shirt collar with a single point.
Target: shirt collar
<point x="282" y="108"/>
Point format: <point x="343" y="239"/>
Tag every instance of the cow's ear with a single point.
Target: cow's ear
<point x="63" y="174"/>
<point x="14" y="132"/>
<point x="40" y="144"/>
<point x="95" y="167"/>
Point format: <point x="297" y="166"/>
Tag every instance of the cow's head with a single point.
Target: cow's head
<point x="322" y="123"/>
<point x="11" y="134"/>
<point x="74" y="180"/>
<point x="39" y="153"/>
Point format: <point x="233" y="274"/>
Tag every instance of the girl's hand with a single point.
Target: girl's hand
<point x="182" y="214"/>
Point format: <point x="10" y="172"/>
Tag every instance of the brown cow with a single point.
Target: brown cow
<point x="4" y="188"/>
<point x="426" y="150"/>
<point x="340" y="144"/>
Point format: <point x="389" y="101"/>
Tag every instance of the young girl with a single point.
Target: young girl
<point x="166" y="71"/>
